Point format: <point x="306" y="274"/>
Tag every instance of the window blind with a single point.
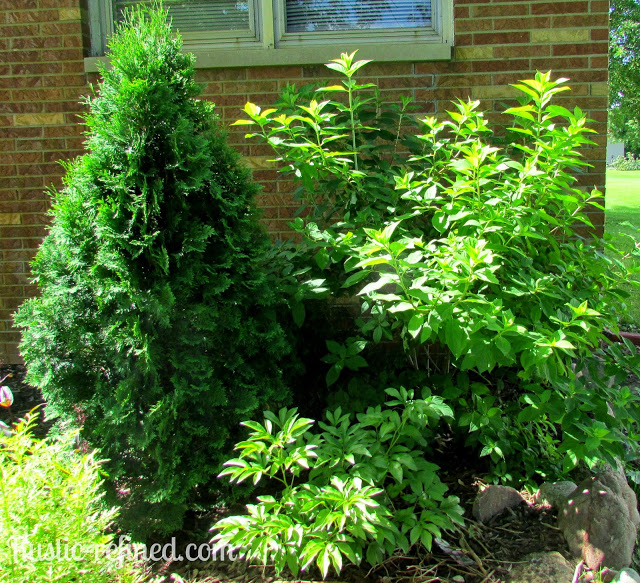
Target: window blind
<point x="199" y="15"/>
<point x="327" y="15"/>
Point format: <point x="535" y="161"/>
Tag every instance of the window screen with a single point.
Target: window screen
<point x="327" y="15"/>
<point x="199" y="15"/>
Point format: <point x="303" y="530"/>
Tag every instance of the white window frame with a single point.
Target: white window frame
<point x="269" y="45"/>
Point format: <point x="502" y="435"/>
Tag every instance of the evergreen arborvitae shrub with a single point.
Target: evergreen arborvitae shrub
<point x="156" y="323"/>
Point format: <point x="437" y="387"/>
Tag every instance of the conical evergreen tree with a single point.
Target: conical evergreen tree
<point x="156" y="321"/>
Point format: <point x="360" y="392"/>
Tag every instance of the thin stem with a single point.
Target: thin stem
<point x="284" y="477"/>
<point x="400" y="120"/>
<point x="395" y="265"/>
<point x="396" y="434"/>
<point x="353" y="125"/>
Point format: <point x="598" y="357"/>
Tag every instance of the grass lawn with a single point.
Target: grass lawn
<point x="623" y="206"/>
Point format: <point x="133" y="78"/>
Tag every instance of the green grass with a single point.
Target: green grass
<point x="623" y="191"/>
<point x="623" y="206"/>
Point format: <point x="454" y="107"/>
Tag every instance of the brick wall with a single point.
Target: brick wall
<point x="43" y="42"/>
<point x="41" y="81"/>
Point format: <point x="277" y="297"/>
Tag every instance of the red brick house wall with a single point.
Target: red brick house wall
<point x="42" y="79"/>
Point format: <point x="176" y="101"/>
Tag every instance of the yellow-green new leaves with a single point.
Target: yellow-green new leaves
<point x="345" y="64"/>
<point x="541" y="89"/>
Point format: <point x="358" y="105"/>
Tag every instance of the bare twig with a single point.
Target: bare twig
<point x="465" y="545"/>
<point x="487" y="579"/>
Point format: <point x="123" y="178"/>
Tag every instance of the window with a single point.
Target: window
<point x="323" y="15"/>
<point x="262" y="32"/>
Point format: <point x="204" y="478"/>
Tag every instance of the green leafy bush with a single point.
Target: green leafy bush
<point x="156" y="322"/>
<point x="356" y="490"/>
<point x="345" y="142"/>
<point x="53" y="512"/>
<point x="482" y="251"/>
<point x="344" y="148"/>
<point x="626" y="162"/>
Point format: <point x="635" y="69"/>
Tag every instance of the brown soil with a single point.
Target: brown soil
<point x="25" y="398"/>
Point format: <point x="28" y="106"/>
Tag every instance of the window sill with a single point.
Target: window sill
<point x="306" y="55"/>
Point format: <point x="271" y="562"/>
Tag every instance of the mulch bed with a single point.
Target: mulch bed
<point x="25" y="399"/>
<point x="478" y="553"/>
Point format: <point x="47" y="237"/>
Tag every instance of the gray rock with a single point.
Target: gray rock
<point x="493" y="500"/>
<point x="604" y="575"/>
<point x="554" y="493"/>
<point x="627" y="576"/>
<point x="600" y="521"/>
<point x="542" y="568"/>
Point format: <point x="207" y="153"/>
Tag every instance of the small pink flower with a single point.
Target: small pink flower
<point x="6" y="397"/>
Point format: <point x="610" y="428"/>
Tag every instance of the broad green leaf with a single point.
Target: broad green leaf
<point x="415" y="324"/>
<point x="371" y="261"/>
<point x="523" y="111"/>
<point x="333" y="374"/>
<point x="401" y="307"/>
<point x="324" y="562"/>
<point x="564" y="344"/>
<point x="373" y="286"/>
<point x="322" y="258"/>
<point x="440" y="221"/>
<point x="503" y="345"/>
<point x="395" y="469"/>
<point x="334" y="347"/>
<point x="455" y="337"/>
<point x="298" y="313"/>
<point x="374" y="554"/>
<point x="332" y="88"/>
<point x="356" y="277"/>
<point x="407" y="460"/>
<point x="426" y="538"/>
<point x="415" y="534"/>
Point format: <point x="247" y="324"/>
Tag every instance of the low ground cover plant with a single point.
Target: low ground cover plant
<point x="53" y="520"/>
<point x="358" y="489"/>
